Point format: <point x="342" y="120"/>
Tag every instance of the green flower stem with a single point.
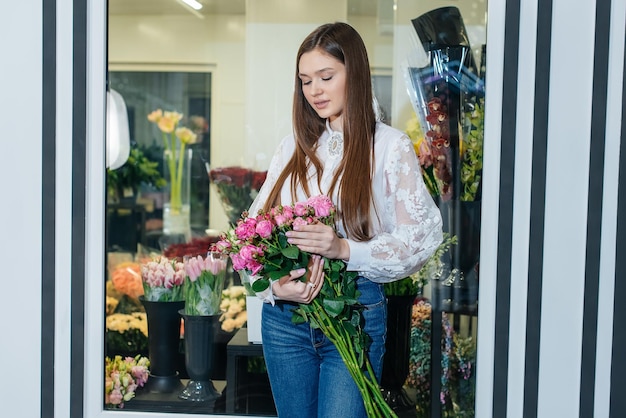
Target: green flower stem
<point x="375" y="404"/>
<point x="175" y="175"/>
<point x="179" y="177"/>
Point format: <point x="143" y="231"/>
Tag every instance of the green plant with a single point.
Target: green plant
<point x="402" y="287"/>
<point x="137" y="170"/>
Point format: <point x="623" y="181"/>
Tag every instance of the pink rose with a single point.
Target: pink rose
<point x="248" y="252"/>
<point x="287" y="211"/>
<point x="264" y="228"/>
<point x="239" y="263"/>
<point x="322" y="205"/>
<point x="300" y="209"/>
<point x="222" y="245"/>
<point x="246" y="230"/>
<point x="281" y="220"/>
<point x="299" y="222"/>
<point x="255" y="267"/>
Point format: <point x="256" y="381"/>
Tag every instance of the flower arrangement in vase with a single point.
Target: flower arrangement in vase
<point x="258" y="246"/>
<point x="123" y="376"/>
<point x="203" y="295"/>
<point x="204" y="283"/>
<point x="177" y="162"/>
<point x="163" y="280"/>
<point x="237" y="187"/>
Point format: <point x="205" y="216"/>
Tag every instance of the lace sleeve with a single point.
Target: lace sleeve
<point x="410" y="222"/>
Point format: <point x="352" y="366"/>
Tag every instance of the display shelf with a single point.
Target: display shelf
<point x="246" y="392"/>
<point x="146" y="401"/>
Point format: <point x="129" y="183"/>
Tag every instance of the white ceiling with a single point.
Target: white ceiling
<point x="169" y="7"/>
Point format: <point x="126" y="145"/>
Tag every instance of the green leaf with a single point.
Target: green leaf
<point x="334" y="307"/>
<point x="260" y="285"/>
<point x="277" y="274"/>
<point x="282" y="239"/>
<point x="351" y="329"/>
<point x="291" y="252"/>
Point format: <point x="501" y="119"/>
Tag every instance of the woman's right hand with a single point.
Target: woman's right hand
<point x="291" y="288"/>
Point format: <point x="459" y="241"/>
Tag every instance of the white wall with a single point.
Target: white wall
<point x="20" y="211"/>
<point x="251" y="103"/>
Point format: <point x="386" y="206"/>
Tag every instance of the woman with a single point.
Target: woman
<point x="388" y="223"/>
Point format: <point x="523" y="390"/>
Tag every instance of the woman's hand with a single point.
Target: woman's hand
<point x="319" y="239"/>
<point x="292" y="289"/>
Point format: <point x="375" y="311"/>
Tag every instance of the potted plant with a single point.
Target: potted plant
<point x="124" y="182"/>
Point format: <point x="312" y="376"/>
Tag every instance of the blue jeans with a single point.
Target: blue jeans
<point x="306" y="372"/>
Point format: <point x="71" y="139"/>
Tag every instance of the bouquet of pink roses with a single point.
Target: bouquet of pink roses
<point x="258" y="246"/>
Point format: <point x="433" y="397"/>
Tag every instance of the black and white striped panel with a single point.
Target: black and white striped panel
<point x="550" y="336"/>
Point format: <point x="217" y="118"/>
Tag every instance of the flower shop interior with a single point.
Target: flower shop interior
<point x="165" y="56"/>
<point x="158" y="121"/>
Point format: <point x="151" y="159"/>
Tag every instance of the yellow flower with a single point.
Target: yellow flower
<point x="155" y="115"/>
<point x="414" y="130"/>
<point x="225" y="304"/>
<point x="175" y="116"/>
<point x="241" y="319"/>
<point x="228" y="325"/>
<point x="186" y="135"/>
<point x="234" y="309"/>
<point x="167" y="122"/>
<point x="166" y="125"/>
<point x="237" y="292"/>
<point x="124" y="322"/>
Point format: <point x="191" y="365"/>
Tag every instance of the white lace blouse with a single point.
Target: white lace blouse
<point x="407" y="226"/>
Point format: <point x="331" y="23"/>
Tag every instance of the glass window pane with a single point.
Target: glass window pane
<point x="163" y="55"/>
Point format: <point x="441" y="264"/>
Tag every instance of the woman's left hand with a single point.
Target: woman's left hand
<point x="319" y="239"/>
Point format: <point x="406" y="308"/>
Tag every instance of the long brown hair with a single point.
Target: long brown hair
<point x="354" y="173"/>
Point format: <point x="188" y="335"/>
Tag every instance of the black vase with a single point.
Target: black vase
<point x="200" y="332"/>
<point x="163" y="345"/>
<point x="397" y="348"/>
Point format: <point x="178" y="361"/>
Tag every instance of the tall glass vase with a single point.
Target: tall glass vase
<point x="200" y="332"/>
<point x="176" y="209"/>
<point x="163" y="343"/>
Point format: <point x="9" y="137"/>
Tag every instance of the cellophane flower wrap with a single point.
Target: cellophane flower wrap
<point x="122" y="378"/>
<point x="204" y="283"/>
<point x="258" y="247"/>
<point x="237" y="187"/>
<point x="447" y="95"/>
<point x="163" y="280"/>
